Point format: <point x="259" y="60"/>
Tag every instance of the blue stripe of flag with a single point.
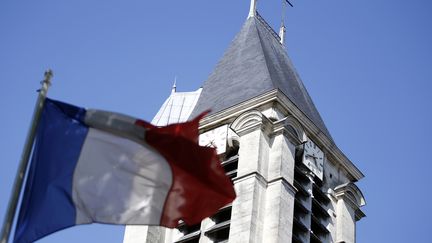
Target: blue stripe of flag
<point x="47" y="204"/>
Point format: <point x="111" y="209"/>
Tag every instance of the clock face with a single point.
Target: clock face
<point x="216" y="138"/>
<point x="313" y="158"/>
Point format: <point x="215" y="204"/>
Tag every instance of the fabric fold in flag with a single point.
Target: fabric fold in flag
<point x="95" y="166"/>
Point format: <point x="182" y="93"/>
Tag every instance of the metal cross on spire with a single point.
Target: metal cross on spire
<point x="282" y="28"/>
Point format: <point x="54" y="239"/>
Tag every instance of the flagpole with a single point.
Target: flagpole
<point x="19" y="178"/>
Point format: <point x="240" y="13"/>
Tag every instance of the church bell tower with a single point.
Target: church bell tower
<point x="293" y="183"/>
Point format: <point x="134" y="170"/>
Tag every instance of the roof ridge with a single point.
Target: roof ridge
<point x="267" y="26"/>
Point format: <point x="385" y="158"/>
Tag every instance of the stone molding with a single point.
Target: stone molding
<point x="263" y="180"/>
<point x="250" y="121"/>
<point x="277" y="98"/>
<point x="253" y="120"/>
<point x="291" y="128"/>
<point x="351" y="194"/>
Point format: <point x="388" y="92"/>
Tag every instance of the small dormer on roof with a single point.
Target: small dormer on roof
<point x="177" y="107"/>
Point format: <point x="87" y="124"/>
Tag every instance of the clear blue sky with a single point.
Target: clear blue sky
<point x="366" y="64"/>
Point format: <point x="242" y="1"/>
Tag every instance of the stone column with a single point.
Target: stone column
<point x="250" y="183"/>
<point x="345" y="222"/>
<point x="264" y="208"/>
<point x="349" y="200"/>
<point x="280" y="193"/>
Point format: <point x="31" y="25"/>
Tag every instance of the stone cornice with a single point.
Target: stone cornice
<point x="266" y="100"/>
<point x="232" y="112"/>
<point x="332" y="151"/>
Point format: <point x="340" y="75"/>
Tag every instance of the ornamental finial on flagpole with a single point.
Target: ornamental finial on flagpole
<point x="46" y="83"/>
<point x="48" y="75"/>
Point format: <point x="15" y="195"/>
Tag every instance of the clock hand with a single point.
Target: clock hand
<point x="315" y="160"/>
<point x="314" y="157"/>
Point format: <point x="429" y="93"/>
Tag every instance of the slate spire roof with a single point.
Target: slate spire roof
<point x="254" y="64"/>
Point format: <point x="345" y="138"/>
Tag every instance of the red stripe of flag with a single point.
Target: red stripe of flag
<point x="200" y="186"/>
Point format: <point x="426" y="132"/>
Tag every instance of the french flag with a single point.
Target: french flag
<point x="95" y="166"/>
